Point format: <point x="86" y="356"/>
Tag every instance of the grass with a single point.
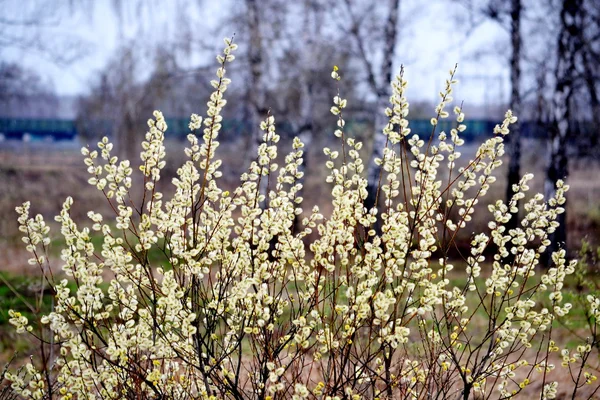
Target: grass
<point x="568" y="333"/>
<point x="47" y="187"/>
<point x="22" y="293"/>
<point x="27" y="289"/>
<point x="46" y="177"/>
<point x="155" y="255"/>
<point x="27" y="297"/>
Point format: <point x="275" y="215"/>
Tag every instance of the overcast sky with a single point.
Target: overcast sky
<point x="433" y="40"/>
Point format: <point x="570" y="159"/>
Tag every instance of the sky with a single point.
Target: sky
<point x="433" y="40"/>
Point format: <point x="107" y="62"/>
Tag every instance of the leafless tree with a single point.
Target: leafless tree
<point x="514" y="143"/>
<point x="121" y="100"/>
<point x="23" y="93"/>
<point x="24" y="30"/>
<point x="284" y="59"/>
<point x="26" y="26"/>
<point x="589" y="70"/>
<point x="509" y="15"/>
<point x="367" y="37"/>
<point x="568" y="56"/>
<point x="115" y="100"/>
<point x="256" y="88"/>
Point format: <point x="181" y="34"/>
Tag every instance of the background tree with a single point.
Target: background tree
<point x="255" y="89"/>
<point x="587" y="89"/>
<point x="568" y="56"/>
<point x="375" y="39"/>
<point x="28" y="29"/>
<point x="25" y="31"/>
<point x="24" y="94"/>
<point x="286" y="42"/>
<point x="116" y="102"/>
<point x="141" y="77"/>
<point x="121" y="100"/>
<point x="514" y="141"/>
<point x="509" y="15"/>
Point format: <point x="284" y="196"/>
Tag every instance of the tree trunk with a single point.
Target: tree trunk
<point x="256" y="92"/>
<point x="568" y="46"/>
<point x="374" y="170"/>
<point x="304" y="130"/>
<point x="128" y="129"/>
<point x="514" y="139"/>
<point x="383" y="91"/>
<point x="590" y="82"/>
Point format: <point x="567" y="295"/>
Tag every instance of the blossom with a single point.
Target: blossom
<point x="257" y="295"/>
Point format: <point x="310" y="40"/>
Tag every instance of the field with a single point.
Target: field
<point x="46" y="176"/>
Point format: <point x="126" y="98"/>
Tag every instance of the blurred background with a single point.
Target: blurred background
<point x="72" y="71"/>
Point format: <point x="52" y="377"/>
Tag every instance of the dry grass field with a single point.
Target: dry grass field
<point x="45" y="176"/>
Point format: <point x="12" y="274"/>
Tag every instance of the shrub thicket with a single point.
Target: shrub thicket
<point x="211" y="294"/>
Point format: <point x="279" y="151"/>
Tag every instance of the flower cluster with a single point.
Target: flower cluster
<point x="255" y="297"/>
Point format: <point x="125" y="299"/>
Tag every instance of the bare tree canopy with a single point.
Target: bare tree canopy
<point x="23" y="93"/>
<point x="381" y="38"/>
<point x="26" y="26"/>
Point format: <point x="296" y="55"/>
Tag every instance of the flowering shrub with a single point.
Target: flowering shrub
<point x="356" y="304"/>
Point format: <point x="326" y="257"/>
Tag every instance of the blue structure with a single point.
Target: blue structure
<point x="37" y="129"/>
<point x="66" y="130"/>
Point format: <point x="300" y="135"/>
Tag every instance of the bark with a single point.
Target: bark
<point x="374" y="170"/>
<point x="383" y="92"/>
<point x="569" y="43"/>
<point x="590" y="82"/>
<point x="590" y="71"/>
<point x="541" y="103"/>
<point x="514" y="139"/>
<point x="127" y="129"/>
<point x="256" y="92"/>
<point x="304" y="130"/>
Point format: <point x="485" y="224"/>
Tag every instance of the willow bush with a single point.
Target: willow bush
<point x="356" y="304"/>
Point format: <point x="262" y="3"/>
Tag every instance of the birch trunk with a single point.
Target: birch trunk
<point x="256" y="92"/>
<point x="383" y="91"/>
<point x="514" y="139"/>
<point x="568" y="46"/>
<point x="304" y="130"/>
<point x="591" y="84"/>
